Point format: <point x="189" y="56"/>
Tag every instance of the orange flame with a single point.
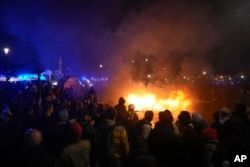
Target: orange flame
<point x="175" y="102"/>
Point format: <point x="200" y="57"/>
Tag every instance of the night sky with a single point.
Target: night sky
<point x="137" y="37"/>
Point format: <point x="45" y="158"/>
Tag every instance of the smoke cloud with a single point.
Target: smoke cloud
<point x="163" y="41"/>
<point x="147" y="43"/>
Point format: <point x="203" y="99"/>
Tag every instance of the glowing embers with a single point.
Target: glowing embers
<point x="175" y="101"/>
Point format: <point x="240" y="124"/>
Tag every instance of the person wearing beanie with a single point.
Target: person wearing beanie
<point x="75" y="131"/>
<point x="209" y="134"/>
<point x="76" y="154"/>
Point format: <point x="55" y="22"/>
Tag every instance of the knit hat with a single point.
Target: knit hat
<point x="75" y="131"/>
<point x="209" y="134"/>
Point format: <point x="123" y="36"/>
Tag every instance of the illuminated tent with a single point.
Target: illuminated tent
<point x="74" y="87"/>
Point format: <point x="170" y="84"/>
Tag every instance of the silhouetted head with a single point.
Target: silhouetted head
<point x="184" y="118"/>
<point x="63" y="115"/>
<point x="48" y="108"/>
<point x="169" y="116"/>
<point x="32" y="138"/>
<point x="111" y="113"/>
<point x="121" y="100"/>
<point x="224" y="112"/>
<point x="162" y="117"/>
<point x="75" y="131"/>
<point x="131" y="107"/>
<point x="240" y="110"/>
<point x="216" y="115"/>
<point x="149" y="114"/>
<point x="196" y="117"/>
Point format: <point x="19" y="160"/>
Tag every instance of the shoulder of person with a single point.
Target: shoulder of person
<point x="118" y="127"/>
<point x="146" y="125"/>
<point x="85" y="142"/>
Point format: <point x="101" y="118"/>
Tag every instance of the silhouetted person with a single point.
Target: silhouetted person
<point x="76" y="153"/>
<point x="33" y="154"/>
<point x="199" y="122"/>
<point x="47" y="125"/>
<point x="132" y="117"/>
<point x="189" y="148"/>
<point x="121" y="111"/>
<point x="211" y="153"/>
<point x="90" y="133"/>
<point x="113" y="145"/>
<point x="139" y="135"/>
<point x="163" y="141"/>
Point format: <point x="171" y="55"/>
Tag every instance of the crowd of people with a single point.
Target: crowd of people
<point x="47" y="127"/>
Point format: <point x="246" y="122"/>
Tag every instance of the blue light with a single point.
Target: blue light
<point x="25" y="77"/>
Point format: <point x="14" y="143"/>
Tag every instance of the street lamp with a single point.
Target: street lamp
<point x="6" y="50"/>
<point x="4" y="65"/>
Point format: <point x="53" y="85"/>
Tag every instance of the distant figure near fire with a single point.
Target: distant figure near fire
<point x="121" y="111"/>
